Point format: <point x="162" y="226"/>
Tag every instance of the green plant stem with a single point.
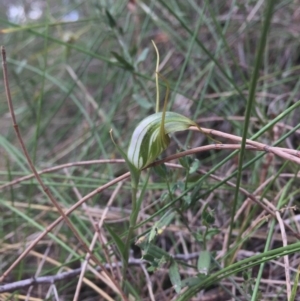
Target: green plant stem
<point x="132" y="224"/>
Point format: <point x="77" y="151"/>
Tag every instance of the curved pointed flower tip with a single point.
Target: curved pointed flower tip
<point x="147" y="141"/>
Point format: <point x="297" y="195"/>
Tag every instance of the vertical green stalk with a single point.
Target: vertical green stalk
<point x="132" y="223"/>
<point x="250" y="102"/>
<point x="135" y="178"/>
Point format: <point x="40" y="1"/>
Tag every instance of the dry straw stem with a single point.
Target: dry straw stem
<point x="286" y="257"/>
<point x="94" y="240"/>
<point x="38" y="178"/>
<point x="285" y="153"/>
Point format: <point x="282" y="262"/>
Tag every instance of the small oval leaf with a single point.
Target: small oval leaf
<point x="194" y="166"/>
<point x="203" y="264"/>
<point x="142" y="56"/>
<point x="175" y="277"/>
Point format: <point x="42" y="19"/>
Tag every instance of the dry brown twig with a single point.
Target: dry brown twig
<point x="285" y="257"/>
<point x="285" y="153"/>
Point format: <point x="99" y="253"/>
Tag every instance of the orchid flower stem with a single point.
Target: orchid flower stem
<point x="132" y="224"/>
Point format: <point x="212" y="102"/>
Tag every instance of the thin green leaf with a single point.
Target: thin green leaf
<point x="250" y="103"/>
<point x="185" y="162"/>
<point x="123" y="61"/>
<point x="208" y="215"/>
<point x="116" y="238"/>
<point x="161" y="170"/>
<point x="295" y="286"/>
<point x="111" y="20"/>
<point x="175" y="276"/>
<point x="157" y="229"/>
<point x="194" y="166"/>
